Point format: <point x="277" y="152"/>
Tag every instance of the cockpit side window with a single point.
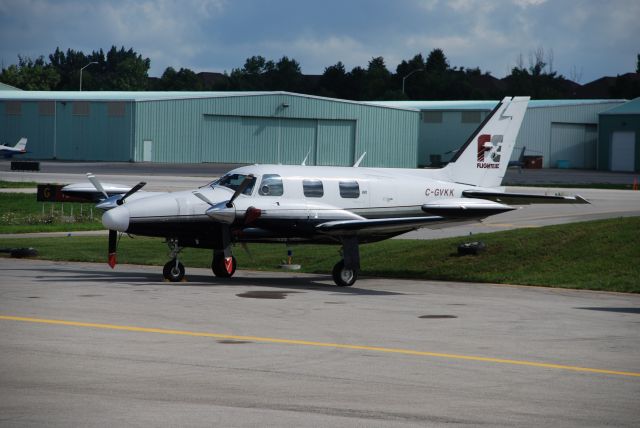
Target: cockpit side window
<point x="312" y="188"/>
<point x="233" y="181"/>
<point x="271" y="185"/>
<point x="349" y="189"/>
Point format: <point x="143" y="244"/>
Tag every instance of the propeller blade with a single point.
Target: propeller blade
<point x="96" y="183"/>
<point x="113" y="242"/>
<point x="203" y="198"/>
<point x="241" y="188"/>
<point x="133" y="190"/>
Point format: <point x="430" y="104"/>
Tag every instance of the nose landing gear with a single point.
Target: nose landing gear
<point x="174" y="270"/>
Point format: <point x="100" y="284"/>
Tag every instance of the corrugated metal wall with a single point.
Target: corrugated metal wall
<point x="276" y="128"/>
<point x="536" y="132"/>
<point x="442" y="138"/>
<point x="564" y="132"/>
<point x="64" y="130"/>
<point x="610" y="124"/>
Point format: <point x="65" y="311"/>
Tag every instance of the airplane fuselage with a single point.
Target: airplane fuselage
<point x="292" y="201"/>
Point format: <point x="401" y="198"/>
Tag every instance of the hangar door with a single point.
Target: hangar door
<point x="242" y="139"/>
<point x="623" y="148"/>
<point x="573" y="142"/>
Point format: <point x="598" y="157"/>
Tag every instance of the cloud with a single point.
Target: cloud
<point x="216" y="35"/>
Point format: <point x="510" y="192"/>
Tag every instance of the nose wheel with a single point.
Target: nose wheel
<point x="173" y="271"/>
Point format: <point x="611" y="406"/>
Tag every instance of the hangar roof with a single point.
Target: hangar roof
<point x="482" y="105"/>
<point x="631" y="107"/>
<point x="163" y="96"/>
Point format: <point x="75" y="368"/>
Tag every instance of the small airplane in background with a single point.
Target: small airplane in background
<point x="19" y="149"/>
<point x="347" y="206"/>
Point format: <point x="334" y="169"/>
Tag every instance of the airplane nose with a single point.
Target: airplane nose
<point x="116" y="219"/>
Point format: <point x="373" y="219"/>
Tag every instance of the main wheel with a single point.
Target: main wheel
<point x="344" y="277"/>
<point x="173" y="271"/>
<point x="222" y="266"/>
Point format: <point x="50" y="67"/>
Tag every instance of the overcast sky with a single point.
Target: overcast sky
<point x="587" y="39"/>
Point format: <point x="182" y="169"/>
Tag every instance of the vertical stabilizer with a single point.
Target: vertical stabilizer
<point x="21" y="145"/>
<point x="484" y="158"/>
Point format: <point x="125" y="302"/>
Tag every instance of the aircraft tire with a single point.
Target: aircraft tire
<point x="220" y="270"/>
<point x="173" y="272"/>
<point x="344" y="277"/>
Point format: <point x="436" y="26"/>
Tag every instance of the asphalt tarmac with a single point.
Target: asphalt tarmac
<point x="82" y="345"/>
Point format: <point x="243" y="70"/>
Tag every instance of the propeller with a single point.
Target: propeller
<point x="225" y="212"/>
<point x="96" y="183"/>
<point x="133" y="190"/>
<point x="111" y="202"/>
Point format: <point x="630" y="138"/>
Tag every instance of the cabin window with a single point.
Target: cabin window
<point x="312" y="188"/>
<point x="349" y="189"/>
<point x="233" y="181"/>
<point x="271" y="185"/>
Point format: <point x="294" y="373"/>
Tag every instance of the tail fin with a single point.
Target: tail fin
<point x="483" y="159"/>
<point x="21" y="145"/>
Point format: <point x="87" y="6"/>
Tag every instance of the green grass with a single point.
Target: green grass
<point x="599" y="255"/>
<point x="18" y="184"/>
<point x="21" y="213"/>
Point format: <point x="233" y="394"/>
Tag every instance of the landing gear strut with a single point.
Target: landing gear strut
<point x="174" y="270"/>
<point x="345" y="272"/>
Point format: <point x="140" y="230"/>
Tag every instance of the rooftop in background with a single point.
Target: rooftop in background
<point x="481" y="105"/>
<point x="632" y="107"/>
<point x="162" y="96"/>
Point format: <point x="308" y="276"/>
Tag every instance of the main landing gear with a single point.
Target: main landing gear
<point x="345" y="272"/>
<point x="223" y="267"/>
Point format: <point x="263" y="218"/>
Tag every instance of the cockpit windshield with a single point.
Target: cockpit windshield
<point x="233" y="181"/>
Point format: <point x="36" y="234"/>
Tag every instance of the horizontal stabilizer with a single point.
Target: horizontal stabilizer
<point x="523" y="198"/>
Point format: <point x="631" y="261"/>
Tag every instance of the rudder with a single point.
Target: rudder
<point x="482" y="161"/>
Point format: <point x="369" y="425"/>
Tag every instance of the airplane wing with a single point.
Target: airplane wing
<point x="455" y="210"/>
<point x="384" y="226"/>
<point x="523" y="198"/>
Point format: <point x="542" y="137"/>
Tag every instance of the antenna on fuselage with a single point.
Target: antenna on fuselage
<point x="357" y="164"/>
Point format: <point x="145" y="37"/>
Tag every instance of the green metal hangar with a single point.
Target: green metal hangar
<point x="619" y="137"/>
<point x="194" y="127"/>
<point x="562" y="133"/>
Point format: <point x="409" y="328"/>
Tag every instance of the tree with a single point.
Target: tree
<point x="252" y="75"/>
<point x="285" y="75"/>
<point x="183" y="80"/>
<point x="436" y="62"/>
<point x="638" y="63"/>
<point x="31" y="75"/>
<point x="378" y="79"/>
<point x="68" y="66"/>
<point x="334" y="81"/>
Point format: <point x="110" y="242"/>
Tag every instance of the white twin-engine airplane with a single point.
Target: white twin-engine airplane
<point x="348" y="206"/>
<point x="19" y="149"/>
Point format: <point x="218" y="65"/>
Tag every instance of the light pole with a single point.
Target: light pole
<point x="93" y="62"/>
<point x="405" y="77"/>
